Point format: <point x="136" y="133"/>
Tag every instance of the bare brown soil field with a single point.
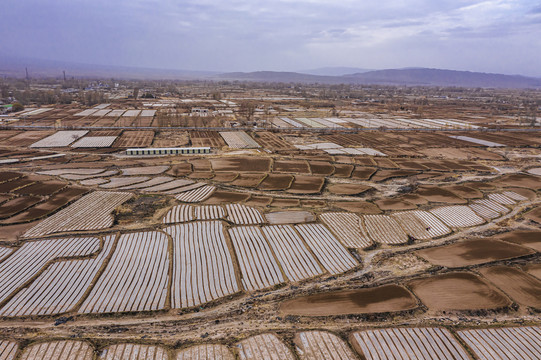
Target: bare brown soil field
<point x="105" y="121"/>
<point x="9" y="175"/>
<point x="271" y="141"/>
<point x="206" y="139"/>
<point x="529" y="238"/>
<point x="383" y="175"/>
<point x="276" y="182"/>
<point x="105" y="133"/>
<point x="439" y="195"/>
<point x="521" y="287"/>
<point x="306" y="184"/>
<point x="261" y="201"/>
<point x="314" y="203"/>
<point x="171" y="139"/>
<point x="236" y="164"/>
<point x="456" y="165"/>
<point x="50" y="205"/>
<point x="472" y="252"/>
<point x="16" y="205"/>
<point x="291" y="166"/>
<point x="407" y="164"/>
<point x="363" y="173"/>
<point x="364" y="161"/>
<point x="534" y="215"/>
<point x="285" y="203"/>
<point x="5" y="134"/>
<point x="134" y="138"/>
<point x="413" y="198"/>
<point x="534" y="269"/>
<point x="250" y="180"/>
<point x="434" y="165"/>
<point x="201" y="165"/>
<point x="225" y="176"/>
<point x="464" y="192"/>
<point x="220" y="197"/>
<point x="181" y="169"/>
<point x="394" y="204"/>
<point x="480" y="185"/>
<point x="348" y="189"/>
<point x="381" y="299"/>
<point x="27" y="138"/>
<point x="321" y="168"/>
<point x="124" y="121"/>
<point x="519" y="180"/>
<point x="362" y="207"/>
<point x="15" y="184"/>
<point x="463" y="153"/>
<point x="343" y="170"/>
<point x="513" y="140"/>
<point x="530" y="194"/>
<point x="289" y="217"/>
<point x="384" y="163"/>
<point x="201" y="175"/>
<point x="41" y="188"/>
<point x="457" y="291"/>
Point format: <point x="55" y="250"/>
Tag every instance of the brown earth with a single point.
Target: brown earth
<point x="314" y="203"/>
<point x="381" y="299"/>
<point x="439" y="195"/>
<point x="365" y="161"/>
<point x="362" y="207"/>
<point x="291" y="166"/>
<point x="285" y="203"/>
<point x="276" y="182"/>
<point x="413" y="198"/>
<point x="225" y="176"/>
<point x="362" y="173"/>
<point x="248" y="179"/>
<point x="464" y="191"/>
<point x="9" y="175"/>
<point x="201" y="175"/>
<point x="472" y="252"/>
<point x="289" y="217"/>
<point x="321" y="168"/>
<point x="534" y="215"/>
<point x="410" y="165"/>
<point x="134" y="138"/>
<point x="519" y="180"/>
<point x="41" y="188"/>
<point x="479" y="185"/>
<point x="534" y="269"/>
<point x="11" y="233"/>
<point x="348" y="189"/>
<point x="529" y="238"/>
<point x="201" y="165"/>
<point x="27" y="138"/>
<point x="524" y="192"/>
<point x="523" y="288"/>
<point x="258" y="201"/>
<point x="383" y="175"/>
<point x="15" y="184"/>
<point x="181" y="169"/>
<point x="384" y="163"/>
<point x="394" y="204"/>
<point x="16" y="205"/>
<point x="343" y="170"/>
<point x="457" y="291"/>
<point x="239" y="164"/>
<point x="220" y="197"/>
<point x="306" y="185"/>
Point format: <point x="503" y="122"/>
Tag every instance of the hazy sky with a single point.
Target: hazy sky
<point x="246" y="35"/>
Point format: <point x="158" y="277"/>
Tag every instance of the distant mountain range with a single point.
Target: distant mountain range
<point x="14" y="67"/>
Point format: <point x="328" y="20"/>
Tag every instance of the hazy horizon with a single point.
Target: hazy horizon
<point x="501" y="36"/>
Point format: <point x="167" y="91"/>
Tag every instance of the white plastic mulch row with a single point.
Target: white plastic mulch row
<point x="457" y="216"/>
<point x="64" y="350"/>
<point x="8" y="350"/>
<point x="384" y="229"/>
<point x="205" y="352"/>
<point x="60" y="139"/>
<point x="265" y="346"/>
<point x="59" y="288"/>
<point x="322" y="345"/>
<point x="91" y="212"/>
<point x="196" y="195"/>
<point x="477" y="141"/>
<point x="95" y="142"/>
<point x="244" y="215"/>
<point x="32" y="256"/>
<point x="239" y="140"/>
<point x="420" y="224"/>
<point x="134" y="352"/>
<point x="202" y="264"/>
<point x="135" y="279"/>
<point x="348" y="228"/>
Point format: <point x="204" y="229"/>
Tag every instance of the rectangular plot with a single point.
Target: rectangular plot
<point x="504" y="343"/>
<point x="60" y="139"/>
<point x="244" y="215"/>
<point x="457" y="216"/>
<point x="265" y="346"/>
<point x="134" y="352"/>
<point x="179" y="213"/>
<point x="205" y="352"/>
<point x="330" y="253"/>
<point x="8" y="350"/>
<point x="209" y="212"/>
<point x="415" y="224"/>
<point x="258" y="267"/>
<point x="296" y="260"/>
<point x="412" y="343"/>
<point x="202" y="264"/>
<point x="384" y="229"/>
<point x="59" y="288"/>
<point x="136" y="277"/>
<point x="239" y="140"/>
<point x="348" y="228"/>
<point x="65" y="350"/>
<point x="322" y="345"/>
<point x="95" y="142"/>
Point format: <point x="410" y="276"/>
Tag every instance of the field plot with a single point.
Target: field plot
<point x="16" y="205"/>
<point x="420" y="224"/>
<point x="144" y="170"/>
<point x="95" y="142"/>
<point x="244" y="215"/>
<point x="86" y="112"/>
<point x="409" y="343"/>
<point x="175" y="186"/>
<point x="26" y="138"/>
<point x="202" y="192"/>
<point x="457" y="291"/>
<point x="179" y="214"/>
<point x="64" y="350"/>
<point x="265" y="346"/>
<point x="239" y="140"/>
<point x="384" y="229"/>
<point x="457" y="216"/>
<point x="274" y="182"/>
<point x="202" y="264"/>
<point x="321" y="345"/>
<point x="8" y="350"/>
<point x="492" y="205"/>
<point x="60" y="139"/>
<point x="209" y="212"/>
<point x="272" y="141"/>
<point x="134" y="352"/>
<point x="206" y="139"/>
<point x="136" y="277"/>
<point x="158" y="180"/>
<point x="380" y="299"/>
<point x="258" y="267"/>
<point x="472" y="252"/>
<point x="514" y="195"/>
<point x="485" y="212"/>
<point x="32" y="256"/>
<point x="91" y="212"/>
<point x="289" y="217"/>
<point x="330" y="253"/>
<point x="296" y="260"/>
<point x="205" y="352"/>
<point x="59" y="288"/>
<point x="87" y="177"/>
<point x="135" y="138"/>
<point x="502" y="199"/>
<point x="504" y="343"/>
<point x="348" y="228"/>
<point x="117" y="182"/>
<point x="520" y="286"/>
<point x="529" y="238"/>
<point x="306" y="184"/>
